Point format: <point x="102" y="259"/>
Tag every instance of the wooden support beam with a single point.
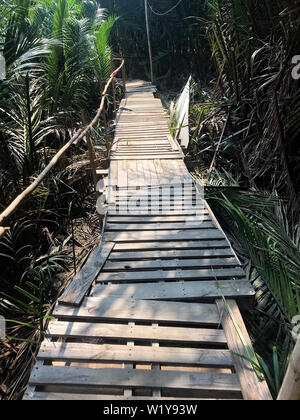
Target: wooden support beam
<point x="76" y="291"/>
<point x="290" y="389"/>
<point x="252" y="387"/>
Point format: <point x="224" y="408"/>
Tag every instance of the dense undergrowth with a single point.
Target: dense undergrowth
<point x="57" y="62"/>
<point x="244" y="133"/>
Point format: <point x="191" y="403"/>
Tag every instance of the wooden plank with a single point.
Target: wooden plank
<point x="169" y="254"/>
<point x="252" y="387"/>
<point x="155" y="211"/>
<point x="179" y="198"/>
<point x="153" y="197"/>
<point x="185" y="245"/>
<point x="182" y="290"/>
<point x="169" y="335"/>
<point x="140" y="310"/>
<point x="171" y="275"/>
<point x="157" y="219"/>
<point x="135" y="378"/>
<point x="132" y="172"/>
<point x="164" y="235"/>
<point x="102" y="172"/>
<point x="142" y="148"/>
<point x="110" y="353"/>
<point x="122" y="174"/>
<point x="83" y="280"/>
<point x="116" y="227"/>
<point x="290" y="388"/>
<point x="145" y="157"/>
<point x="161" y="190"/>
<point x="173" y="263"/>
<point x="54" y="396"/>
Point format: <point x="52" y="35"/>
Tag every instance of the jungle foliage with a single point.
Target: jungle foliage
<point x="57" y="59"/>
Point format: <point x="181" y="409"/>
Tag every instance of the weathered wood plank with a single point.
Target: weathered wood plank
<point x="82" y="281"/>
<point x="143" y="156"/>
<point x="171" y="275"/>
<point x="115" y="227"/>
<point x="164" y="235"/>
<point x="170" y="254"/>
<point x="170" y="335"/>
<point x="54" y="396"/>
<point x="139" y="310"/>
<point x="132" y="378"/>
<point x="115" y="210"/>
<point x="174" y="263"/>
<point x="157" y="219"/>
<point x="184" y="245"/>
<point x="252" y="387"/>
<point x="182" y="290"/>
<point x="110" y="353"/>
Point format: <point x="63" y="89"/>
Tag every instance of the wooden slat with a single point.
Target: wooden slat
<point x="138" y="310"/>
<point x="131" y="378"/>
<point x="182" y="290"/>
<point x="143" y="156"/>
<point x="152" y="212"/>
<point x="171" y="335"/>
<point x="164" y="235"/>
<point x="171" y="275"/>
<point x="169" y="254"/>
<point x="183" y="245"/>
<point x="115" y="227"/>
<point x="174" y="263"/>
<point x="157" y="219"/>
<point x="157" y="197"/>
<point x="54" y="396"/>
<point x="82" y="281"/>
<point x="110" y="353"/>
<point x="153" y="205"/>
<point x="252" y="387"/>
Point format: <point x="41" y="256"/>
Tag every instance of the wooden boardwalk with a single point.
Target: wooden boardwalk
<point x="145" y="318"/>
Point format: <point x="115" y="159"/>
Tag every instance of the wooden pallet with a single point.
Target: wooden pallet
<point x="146" y="316"/>
<point x="112" y="347"/>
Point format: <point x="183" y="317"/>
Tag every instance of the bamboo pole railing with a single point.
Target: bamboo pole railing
<point x="78" y="136"/>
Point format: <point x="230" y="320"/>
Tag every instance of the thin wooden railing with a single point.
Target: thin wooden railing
<point x="77" y="137"/>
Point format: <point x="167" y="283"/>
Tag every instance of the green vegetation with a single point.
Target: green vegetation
<point x="57" y="62"/>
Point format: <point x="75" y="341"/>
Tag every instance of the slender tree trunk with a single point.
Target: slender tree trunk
<point x="149" y="42"/>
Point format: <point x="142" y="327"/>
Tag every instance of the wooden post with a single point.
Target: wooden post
<point x="91" y="149"/>
<point x="105" y="129"/>
<point x="114" y="96"/>
<point x="149" y="42"/>
<point x="290" y="389"/>
<point x="124" y="78"/>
